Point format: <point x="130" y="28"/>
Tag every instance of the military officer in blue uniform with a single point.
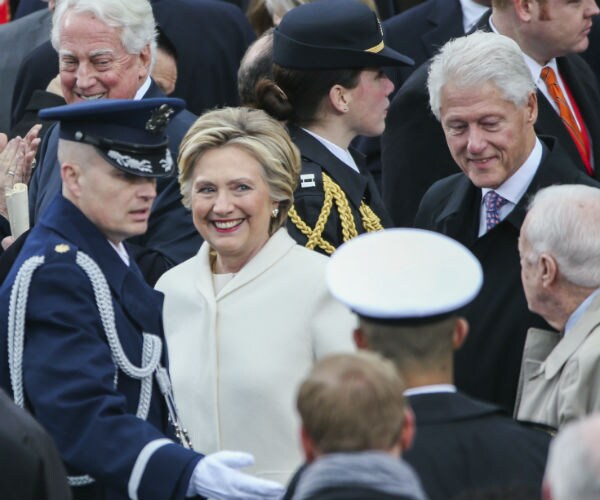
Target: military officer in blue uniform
<point x="81" y="330"/>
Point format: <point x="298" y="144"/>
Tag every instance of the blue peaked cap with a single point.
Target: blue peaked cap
<point x="129" y="134"/>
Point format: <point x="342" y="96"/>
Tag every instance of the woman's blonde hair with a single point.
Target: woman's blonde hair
<point x="255" y="132"/>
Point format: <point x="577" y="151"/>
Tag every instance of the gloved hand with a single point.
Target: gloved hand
<point x="216" y="476"/>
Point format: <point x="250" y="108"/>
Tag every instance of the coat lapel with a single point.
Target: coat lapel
<point x="138" y="300"/>
<point x="445" y="19"/>
<point x="569" y="344"/>
<point x="452" y="221"/>
<point x="276" y="247"/>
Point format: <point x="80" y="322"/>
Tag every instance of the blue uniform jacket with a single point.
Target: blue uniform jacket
<point x="68" y="371"/>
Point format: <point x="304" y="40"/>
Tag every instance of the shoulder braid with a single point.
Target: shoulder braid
<point x="333" y="192"/>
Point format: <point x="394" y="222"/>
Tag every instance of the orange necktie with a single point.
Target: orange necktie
<point x="564" y="110"/>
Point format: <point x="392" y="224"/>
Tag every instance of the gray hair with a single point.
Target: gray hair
<point x="473" y="60"/>
<point x="564" y="221"/>
<point x="573" y="467"/>
<point x="133" y="18"/>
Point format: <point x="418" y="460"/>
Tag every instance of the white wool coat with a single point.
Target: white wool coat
<point x="238" y="358"/>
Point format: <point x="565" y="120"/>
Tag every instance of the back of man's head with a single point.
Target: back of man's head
<point x="255" y="65"/>
<point x="563" y="221"/>
<point x="573" y="467"/>
<point x="421" y="347"/>
<point x="352" y="402"/>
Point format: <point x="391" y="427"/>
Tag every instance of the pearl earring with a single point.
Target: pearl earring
<point x="275" y="212"/>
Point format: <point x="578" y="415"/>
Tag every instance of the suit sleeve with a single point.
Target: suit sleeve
<point x="69" y="383"/>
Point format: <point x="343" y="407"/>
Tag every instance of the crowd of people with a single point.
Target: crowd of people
<point x="301" y="250"/>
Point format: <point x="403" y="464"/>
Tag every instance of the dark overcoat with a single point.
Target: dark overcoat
<point x="488" y="364"/>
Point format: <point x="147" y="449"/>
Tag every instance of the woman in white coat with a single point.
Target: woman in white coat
<point x="248" y="315"/>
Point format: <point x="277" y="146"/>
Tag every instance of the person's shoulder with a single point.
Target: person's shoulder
<point x="407" y="18"/>
<point x="171" y="280"/>
<point x="442" y="189"/>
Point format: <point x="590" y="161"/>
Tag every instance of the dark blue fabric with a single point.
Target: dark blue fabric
<point x="68" y="368"/>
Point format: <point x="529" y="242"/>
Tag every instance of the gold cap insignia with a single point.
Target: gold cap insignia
<point x="62" y="248"/>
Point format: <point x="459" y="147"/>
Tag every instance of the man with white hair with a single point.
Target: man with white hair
<point x="106" y="50"/>
<point x="573" y="469"/>
<point x="560" y="270"/>
<point x="482" y="92"/>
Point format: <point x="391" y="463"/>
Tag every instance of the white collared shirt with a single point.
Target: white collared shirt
<point x="580" y="311"/>
<point x="513" y="188"/>
<point x="341" y="154"/>
<point x="121" y="252"/>
<point x="430" y="389"/>
<point x="143" y="89"/>
<point x="472" y="12"/>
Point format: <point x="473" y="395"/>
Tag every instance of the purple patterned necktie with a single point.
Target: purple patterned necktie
<point x="493" y="202"/>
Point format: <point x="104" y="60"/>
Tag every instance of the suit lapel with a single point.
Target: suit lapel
<point x="139" y="302"/>
<point x="445" y="19"/>
<point x="582" y="90"/>
<point x="465" y="199"/>
<point x="570" y="343"/>
<point x="443" y="407"/>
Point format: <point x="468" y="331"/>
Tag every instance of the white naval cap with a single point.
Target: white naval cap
<point x="400" y="274"/>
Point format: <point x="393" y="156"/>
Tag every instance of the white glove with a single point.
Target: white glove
<point x="216" y="476"/>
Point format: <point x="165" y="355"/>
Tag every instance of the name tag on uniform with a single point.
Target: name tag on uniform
<point x="307" y="180"/>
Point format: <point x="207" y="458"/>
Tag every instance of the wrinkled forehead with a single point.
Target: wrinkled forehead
<point x="85" y="30"/>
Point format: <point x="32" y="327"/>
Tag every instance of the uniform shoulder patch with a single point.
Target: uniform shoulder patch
<point x="62" y="248"/>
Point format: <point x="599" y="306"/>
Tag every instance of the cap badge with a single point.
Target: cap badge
<point x="126" y="161"/>
<point x="159" y="119"/>
<point x="167" y="162"/>
<point x="62" y="248"/>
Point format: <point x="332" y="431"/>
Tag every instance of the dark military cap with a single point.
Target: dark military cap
<point x="128" y="134"/>
<point x="332" y="34"/>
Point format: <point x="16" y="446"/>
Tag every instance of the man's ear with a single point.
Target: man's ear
<point x="308" y="445"/>
<point x="549" y="270"/>
<point x="360" y="339"/>
<point x="460" y="332"/>
<point x="70" y="174"/>
<point x="524" y="9"/>
<point x="145" y="58"/>
<point x="407" y="433"/>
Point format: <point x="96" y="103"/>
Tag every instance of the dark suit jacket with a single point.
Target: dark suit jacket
<point x="414" y="153"/>
<point x="463" y="444"/>
<point x="420" y="31"/>
<point x="308" y="199"/>
<point x="68" y="370"/>
<point x="488" y="364"/>
<point x="171" y="237"/>
<point x="30" y="463"/>
<point x="18" y="38"/>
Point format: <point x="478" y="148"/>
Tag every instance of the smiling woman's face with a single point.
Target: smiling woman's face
<point x="231" y="205"/>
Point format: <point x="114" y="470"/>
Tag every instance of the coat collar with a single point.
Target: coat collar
<point x="443" y="407"/>
<point x="555" y="168"/>
<point x="570" y="343"/>
<point x="445" y="18"/>
<point x="353" y="184"/>
<point x="65" y="219"/>
<point x="276" y="247"/>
